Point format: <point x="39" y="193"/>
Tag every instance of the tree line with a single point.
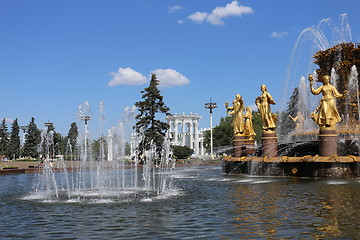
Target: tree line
<point x="35" y="145"/>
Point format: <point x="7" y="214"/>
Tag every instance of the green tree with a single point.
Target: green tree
<point x="4" y="138"/>
<point x="62" y="146"/>
<point x="73" y="134"/>
<point x="182" y="152"/>
<point x="222" y="136"/>
<point x="127" y="149"/>
<point x="98" y="148"/>
<point x="14" y="144"/>
<point x="257" y="124"/>
<point x="286" y="123"/>
<point x="70" y="141"/>
<point x="56" y="140"/>
<point x="153" y="130"/>
<point x="32" y="140"/>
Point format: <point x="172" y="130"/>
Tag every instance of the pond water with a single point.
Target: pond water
<point x="207" y="205"/>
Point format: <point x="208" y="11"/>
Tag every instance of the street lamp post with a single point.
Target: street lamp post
<point x="84" y="114"/>
<point x="49" y="141"/>
<point x="49" y="125"/>
<point x="85" y="118"/>
<point x="211" y="106"/>
<point x="24" y="128"/>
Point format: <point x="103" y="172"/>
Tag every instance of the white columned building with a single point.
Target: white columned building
<point x="183" y="131"/>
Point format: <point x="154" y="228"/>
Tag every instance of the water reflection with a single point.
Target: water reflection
<point x="294" y="208"/>
<point x="209" y="205"/>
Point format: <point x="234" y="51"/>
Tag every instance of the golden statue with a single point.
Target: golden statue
<point x="249" y="129"/>
<point x="299" y="121"/>
<point x="237" y="111"/>
<point x="326" y="114"/>
<point x="263" y="103"/>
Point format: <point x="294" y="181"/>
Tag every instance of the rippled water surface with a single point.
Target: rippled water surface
<point x="207" y="205"/>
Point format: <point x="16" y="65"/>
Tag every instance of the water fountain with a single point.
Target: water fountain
<point x="111" y="177"/>
<point x="304" y="151"/>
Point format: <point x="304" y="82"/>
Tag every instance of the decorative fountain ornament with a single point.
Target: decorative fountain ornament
<point x="331" y="126"/>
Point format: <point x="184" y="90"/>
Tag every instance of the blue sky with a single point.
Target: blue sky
<point x="55" y="55"/>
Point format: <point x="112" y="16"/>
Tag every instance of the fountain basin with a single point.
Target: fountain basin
<point x="307" y="166"/>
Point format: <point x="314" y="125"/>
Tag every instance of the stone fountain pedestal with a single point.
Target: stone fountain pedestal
<point x="269" y="144"/>
<point x="328" y="139"/>
<point x="307" y="166"/>
<point x="239" y="147"/>
<point x="250" y="146"/>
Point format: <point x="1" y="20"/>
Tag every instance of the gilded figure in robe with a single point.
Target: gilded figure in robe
<point x="249" y="128"/>
<point x="299" y="121"/>
<point x="238" y="116"/>
<point x="263" y="103"/>
<point x="326" y="114"/>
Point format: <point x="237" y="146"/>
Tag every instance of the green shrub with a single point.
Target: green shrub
<point x="182" y="152"/>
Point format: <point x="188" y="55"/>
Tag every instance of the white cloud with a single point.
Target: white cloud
<point x="219" y="13"/>
<point x="180" y="21"/>
<point x="198" y="17"/>
<point x="166" y="77"/>
<point x="170" y="78"/>
<point x="126" y="76"/>
<point x="174" y="8"/>
<point x="278" y="34"/>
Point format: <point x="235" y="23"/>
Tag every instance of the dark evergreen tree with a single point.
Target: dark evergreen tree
<point x="32" y="140"/>
<point x="98" y="148"/>
<point x="286" y="123"/>
<point x="52" y="145"/>
<point x="63" y="149"/>
<point x="14" y="144"/>
<point x="257" y="124"/>
<point x="127" y="149"/>
<point x="58" y="139"/>
<point x="4" y="138"/>
<point x="153" y="130"/>
<point x="72" y="137"/>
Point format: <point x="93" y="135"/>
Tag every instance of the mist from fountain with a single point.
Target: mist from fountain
<point x="354" y="99"/>
<point x="311" y="40"/>
<point x="110" y="177"/>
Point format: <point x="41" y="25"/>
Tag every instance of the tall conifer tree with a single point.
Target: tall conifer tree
<point x="149" y="108"/>
<point x="4" y="138"/>
<point x="287" y="124"/>
<point x="14" y="144"/>
<point x="56" y="141"/>
<point x="32" y="140"/>
<point x="72" y="137"/>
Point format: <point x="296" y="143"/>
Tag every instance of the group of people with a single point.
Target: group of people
<point x="325" y="115"/>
